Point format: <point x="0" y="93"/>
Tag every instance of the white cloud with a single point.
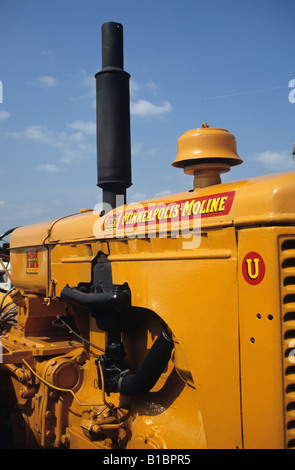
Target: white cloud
<point x="164" y="192"/>
<point x="72" y="146"/>
<point x="88" y="84"/>
<point x="134" y="88"/>
<point x="38" y="134"/>
<point x="152" y="85"/>
<point x="141" y="106"/>
<point x="88" y="128"/>
<point x="146" y="108"/>
<point x="137" y="197"/>
<point x="275" y="161"/>
<point x="48" y="168"/>
<point x="152" y="151"/>
<point x="1" y="203"/>
<point x="136" y="148"/>
<point x="4" y="115"/>
<point x="47" y="82"/>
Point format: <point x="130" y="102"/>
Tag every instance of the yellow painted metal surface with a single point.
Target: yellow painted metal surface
<point x="203" y="317"/>
<point x="226" y="293"/>
<point x="260" y="338"/>
<point x="30" y="268"/>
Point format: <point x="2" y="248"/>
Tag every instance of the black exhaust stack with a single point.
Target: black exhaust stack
<point x="113" y="119"/>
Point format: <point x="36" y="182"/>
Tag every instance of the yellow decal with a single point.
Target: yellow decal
<point x="32" y="262"/>
<point x="157" y="214"/>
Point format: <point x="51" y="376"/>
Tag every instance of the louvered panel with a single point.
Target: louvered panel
<point x="287" y="258"/>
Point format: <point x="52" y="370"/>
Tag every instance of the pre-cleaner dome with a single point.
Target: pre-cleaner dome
<point x="206" y="144"/>
<point x="205" y="153"/>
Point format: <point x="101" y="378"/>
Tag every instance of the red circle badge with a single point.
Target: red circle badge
<point x="253" y="268"/>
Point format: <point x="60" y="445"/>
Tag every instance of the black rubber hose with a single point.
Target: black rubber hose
<point x="108" y="308"/>
<point x="95" y="301"/>
<point x="152" y="367"/>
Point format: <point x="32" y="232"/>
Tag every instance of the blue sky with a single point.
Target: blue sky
<point x="227" y="63"/>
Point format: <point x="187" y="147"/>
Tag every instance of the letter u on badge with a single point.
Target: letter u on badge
<point x="253" y="268"/>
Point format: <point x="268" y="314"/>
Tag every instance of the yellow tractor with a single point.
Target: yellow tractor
<point x="166" y="324"/>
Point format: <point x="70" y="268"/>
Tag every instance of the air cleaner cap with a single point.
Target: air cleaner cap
<point x="206" y="145"/>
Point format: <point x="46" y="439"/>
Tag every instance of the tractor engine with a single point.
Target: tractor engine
<point x="165" y="324"/>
